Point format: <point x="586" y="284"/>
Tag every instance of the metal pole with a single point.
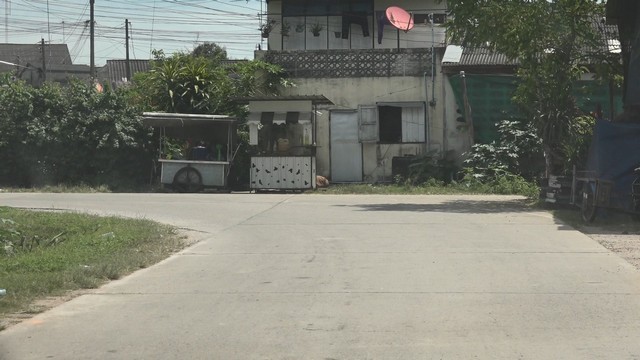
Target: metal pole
<point x="127" y="45"/>
<point x="467" y="107"/>
<point x="6" y="21"/>
<point x="44" y="60"/>
<point x="48" y="23"/>
<point x="92" y="55"/>
<point x="433" y="63"/>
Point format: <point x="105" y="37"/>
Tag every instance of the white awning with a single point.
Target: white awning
<point x="452" y="54"/>
<point x="280" y="117"/>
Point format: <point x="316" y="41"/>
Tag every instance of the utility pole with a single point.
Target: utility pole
<point x="126" y="22"/>
<point x="6" y="21"/>
<point x="92" y="55"/>
<point x="44" y="60"/>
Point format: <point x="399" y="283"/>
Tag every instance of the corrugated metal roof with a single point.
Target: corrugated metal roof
<point x="315" y="99"/>
<point x="23" y="54"/>
<point x="474" y="57"/>
<point x="116" y="70"/>
<point x="231" y="62"/>
<point x="482" y="57"/>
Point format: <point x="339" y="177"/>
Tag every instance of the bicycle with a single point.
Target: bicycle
<point x="596" y="193"/>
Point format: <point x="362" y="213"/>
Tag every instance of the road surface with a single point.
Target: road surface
<point x="345" y="277"/>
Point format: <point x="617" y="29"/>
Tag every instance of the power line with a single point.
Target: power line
<point x="171" y="26"/>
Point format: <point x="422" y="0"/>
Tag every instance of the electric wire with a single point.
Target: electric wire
<point x="231" y="27"/>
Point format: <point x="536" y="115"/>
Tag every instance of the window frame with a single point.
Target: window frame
<point x="423" y="121"/>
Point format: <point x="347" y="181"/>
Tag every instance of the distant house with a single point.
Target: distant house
<point x="114" y="72"/>
<point x="35" y="65"/>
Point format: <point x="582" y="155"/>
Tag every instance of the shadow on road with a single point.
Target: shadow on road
<point x="608" y="222"/>
<point x="454" y="206"/>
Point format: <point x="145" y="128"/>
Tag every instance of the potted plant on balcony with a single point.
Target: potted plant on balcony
<point x="265" y="28"/>
<point x="285" y="28"/>
<point x="299" y="27"/>
<point x="316" y="29"/>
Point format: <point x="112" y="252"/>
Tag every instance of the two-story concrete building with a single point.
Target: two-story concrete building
<point x="385" y="85"/>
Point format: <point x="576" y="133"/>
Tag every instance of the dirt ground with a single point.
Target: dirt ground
<point x="617" y="232"/>
<point x="625" y="245"/>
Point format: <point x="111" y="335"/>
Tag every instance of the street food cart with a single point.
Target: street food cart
<point x="282" y="130"/>
<point x="196" y="151"/>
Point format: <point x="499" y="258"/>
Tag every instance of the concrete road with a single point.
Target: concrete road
<point x="346" y="277"/>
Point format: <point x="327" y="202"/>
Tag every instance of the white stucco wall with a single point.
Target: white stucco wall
<point x="349" y="93"/>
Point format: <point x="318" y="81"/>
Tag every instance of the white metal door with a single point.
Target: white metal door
<point x="346" y="150"/>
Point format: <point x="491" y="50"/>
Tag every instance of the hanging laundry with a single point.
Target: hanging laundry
<point x="355" y="18"/>
<point x="382" y="21"/>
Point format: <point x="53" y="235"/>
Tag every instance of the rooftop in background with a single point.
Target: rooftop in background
<point x="477" y="58"/>
<point x="31" y="55"/>
<point x="315" y="99"/>
<point x="481" y="59"/>
<point x="115" y="71"/>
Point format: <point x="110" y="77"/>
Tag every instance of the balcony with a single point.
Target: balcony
<point x="352" y="63"/>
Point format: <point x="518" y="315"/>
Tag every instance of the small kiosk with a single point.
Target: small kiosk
<point x="196" y="150"/>
<point x="282" y="130"/>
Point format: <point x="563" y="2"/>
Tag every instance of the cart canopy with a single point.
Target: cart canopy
<point x="180" y="120"/>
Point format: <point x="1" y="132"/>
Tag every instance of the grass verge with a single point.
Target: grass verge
<point x="84" y="189"/>
<point x="49" y="254"/>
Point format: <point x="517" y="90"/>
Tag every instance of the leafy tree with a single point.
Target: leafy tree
<point x="53" y="134"/>
<point x="185" y="83"/>
<point x="211" y="51"/>
<point x="254" y="78"/>
<point x="552" y="40"/>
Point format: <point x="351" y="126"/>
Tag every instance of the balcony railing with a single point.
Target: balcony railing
<point x="353" y="63"/>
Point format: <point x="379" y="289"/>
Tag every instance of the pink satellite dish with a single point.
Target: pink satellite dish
<point x="400" y="18"/>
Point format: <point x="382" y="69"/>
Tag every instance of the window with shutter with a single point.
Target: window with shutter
<point x="401" y="122"/>
<point x="368" y="123"/>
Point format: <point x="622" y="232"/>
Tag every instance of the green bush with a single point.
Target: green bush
<point x="518" y="151"/>
<point x="71" y="135"/>
<point x="503" y="183"/>
<point x="430" y="169"/>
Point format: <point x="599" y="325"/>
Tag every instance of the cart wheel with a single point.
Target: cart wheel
<point x="187" y="180"/>
<point x="588" y="208"/>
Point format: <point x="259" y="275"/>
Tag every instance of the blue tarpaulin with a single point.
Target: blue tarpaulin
<point x="613" y="155"/>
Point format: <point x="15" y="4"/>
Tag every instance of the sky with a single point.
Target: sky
<point x="170" y="25"/>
